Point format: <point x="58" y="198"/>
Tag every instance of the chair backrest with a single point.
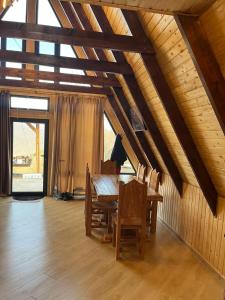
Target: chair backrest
<point x="132" y="203"/>
<point x="141" y="173"/>
<point x="108" y="167"/>
<point x="148" y="176"/>
<point x="88" y="202"/>
<point x="154" y="180"/>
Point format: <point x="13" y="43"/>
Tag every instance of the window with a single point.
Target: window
<point x="46" y="48"/>
<point x="29" y="103"/>
<point x="15" y="45"/>
<point x="67" y="51"/>
<point x="109" y="140"/>
<point x="46" y="15"/>
<point x="16" y="12"/>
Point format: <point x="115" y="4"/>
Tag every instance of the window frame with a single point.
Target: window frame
<point x="30" y="109"/>
<point x="105" y="114"/>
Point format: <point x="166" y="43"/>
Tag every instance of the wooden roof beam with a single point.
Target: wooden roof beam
<point x="56" y="76"/>
<point x="142" y="106"/>
<point x="119" y="92"/>
<point x="54" y="86"/>
<point x="64" y="62"/>
<point x="176" y="118"/>
<point x="205" y="62"/>
<point x="73" y="37"/>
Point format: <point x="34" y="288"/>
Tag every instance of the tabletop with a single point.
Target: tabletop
<point x="107" y="187"/>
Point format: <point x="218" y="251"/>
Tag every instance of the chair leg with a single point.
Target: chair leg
<point x="118" y="238"/>
<point x="114" y="235"/>
<point x="109" y="221"/>
<point x="141" y="242"/>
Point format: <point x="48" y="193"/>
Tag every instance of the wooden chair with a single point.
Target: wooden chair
<point x="152" y="205"/>
<point x="108" y="167"/>
<point x="141" y="173"/>
<point x="96" y="208"/>
<point x="131" y="215"/>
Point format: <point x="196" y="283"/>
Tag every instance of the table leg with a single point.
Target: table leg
<point x="154" y="217"/>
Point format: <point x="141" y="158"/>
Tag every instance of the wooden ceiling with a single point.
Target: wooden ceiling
<point x="163" y="6"/>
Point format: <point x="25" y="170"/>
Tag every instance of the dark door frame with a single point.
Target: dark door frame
<point x="45" y="169"/>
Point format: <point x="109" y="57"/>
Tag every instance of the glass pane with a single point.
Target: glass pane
<point x="29" y="103"/>
<point x="16" y="12"/>
<point x="71" y="71"/>
<point x="46" y="48"/>
<point x="46" y="15"/>
<point x="13" y="78"/>
<point x="46" y="68"/>
<point x="73" y="83"/>
<point x="67" y="51"/>
<point x="109" y="140"/>
<point x="14" y="44"/>
<point x="13" y="65"/>
<point x="28" y="157"/>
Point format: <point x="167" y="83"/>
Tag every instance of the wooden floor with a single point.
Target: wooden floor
<point x="44" y="254"/>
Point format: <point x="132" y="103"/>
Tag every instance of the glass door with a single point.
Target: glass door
<point x="29" y="156"/>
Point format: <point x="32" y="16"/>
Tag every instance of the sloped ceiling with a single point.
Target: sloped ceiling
<point x="163" y="6"/>
<point x="187" y="88"/>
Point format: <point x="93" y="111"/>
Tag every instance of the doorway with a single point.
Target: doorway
<point x="29" y="156"/>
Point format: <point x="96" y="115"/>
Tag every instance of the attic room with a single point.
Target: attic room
<point x="112" y="149"/>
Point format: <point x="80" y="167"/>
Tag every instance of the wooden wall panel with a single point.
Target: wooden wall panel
<point x="191" y="219"/>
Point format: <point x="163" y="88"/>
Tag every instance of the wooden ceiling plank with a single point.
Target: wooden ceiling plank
<point x="206" y="64"/>
<point x="142" y="106"/>
<point x="64" y="62"/>
<point x="56" y="76"/>
<point x="73" y="37"/>
<point x="53" y="86"/>
<point x="176" y="118"/>
<point x="119" y="93"/>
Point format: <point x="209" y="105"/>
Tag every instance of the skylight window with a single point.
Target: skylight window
<point x="46" y="15"/>
<point x="16" y="12"/>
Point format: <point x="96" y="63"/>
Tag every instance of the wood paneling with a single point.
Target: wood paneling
<point x="192" y="220"/>
<point x="162" y="6"/>
<point x="182" y="77"/>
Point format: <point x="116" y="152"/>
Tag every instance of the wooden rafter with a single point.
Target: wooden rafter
<point x="176" y="119"/>
<point x="64" y="62"/>
<point x="142" y="106"/>
<point x="53" y="86"/>
<point x="56" y="76"/>
<point x="73" y="37"/>
<point x="83" y="20"/>
<point x="206" y="64"/>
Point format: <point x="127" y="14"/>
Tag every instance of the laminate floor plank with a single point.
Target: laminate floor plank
<point x="45" y="255"/>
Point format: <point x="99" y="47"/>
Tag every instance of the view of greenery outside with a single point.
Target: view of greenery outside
<point x="109" y="140"/>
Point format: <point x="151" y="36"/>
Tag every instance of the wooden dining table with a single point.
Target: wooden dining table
<point x="107" y="189"/>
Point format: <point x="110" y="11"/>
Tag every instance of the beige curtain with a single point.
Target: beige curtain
<point x="78" y="140"/>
